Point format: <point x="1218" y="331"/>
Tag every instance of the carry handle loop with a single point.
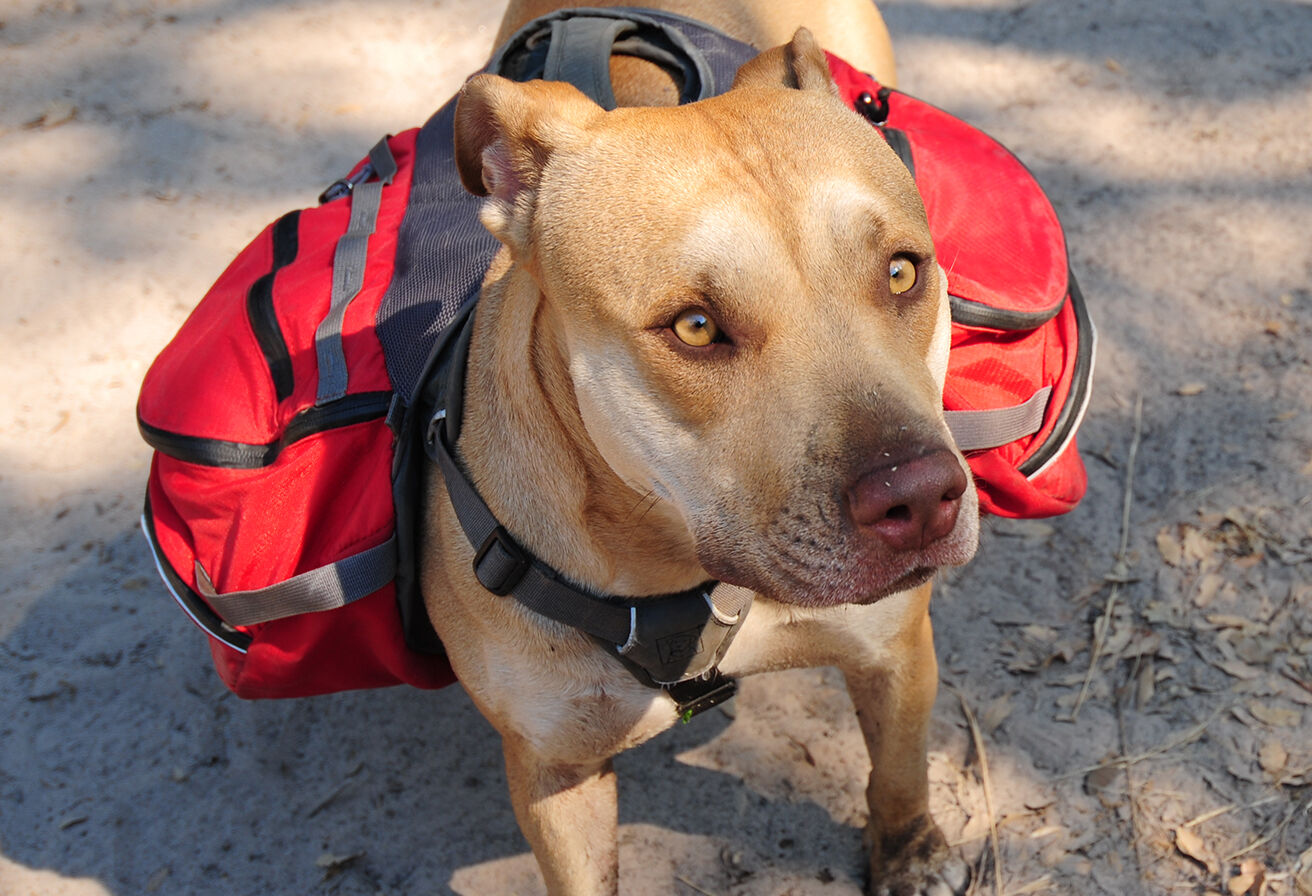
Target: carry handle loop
<point x="995" y="427"/>
<point x="327" y="587"/>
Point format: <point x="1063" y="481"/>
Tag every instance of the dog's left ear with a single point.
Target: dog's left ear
<point x="799" y="64"/>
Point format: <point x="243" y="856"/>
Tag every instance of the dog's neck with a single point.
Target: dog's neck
<point x="526" y="448"/>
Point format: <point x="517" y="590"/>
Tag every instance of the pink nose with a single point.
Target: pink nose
<point x="911" y="504"/>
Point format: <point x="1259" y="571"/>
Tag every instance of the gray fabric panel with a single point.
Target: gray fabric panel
<point x="349" y="262"/>
<point x="580" y="55"/>
<point x="978" y="430"/>
<point x="325" y="588"/>
<point x="442" y="248"/>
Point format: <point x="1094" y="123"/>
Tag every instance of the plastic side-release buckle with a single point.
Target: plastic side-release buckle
<point x="698" y="695"/>
<point x="500" y="563"/>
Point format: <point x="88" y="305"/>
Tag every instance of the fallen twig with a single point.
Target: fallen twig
<point x="1034" y="886"/>
<point x="1130" y="790"/>
<point x="1267" y="838"/>
<point x="692" y="886"/>
<point x="1119" y="571"/>
<point x="1187" y="738"/>
<point x="978" y="737"/>
<point x="1223" y="810"/>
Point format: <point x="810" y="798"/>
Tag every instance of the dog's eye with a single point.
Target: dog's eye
<point x="694" y="327"/>
<point x="901" y="274"/>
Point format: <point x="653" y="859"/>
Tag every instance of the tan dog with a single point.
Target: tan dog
<point x="725" y="366"/>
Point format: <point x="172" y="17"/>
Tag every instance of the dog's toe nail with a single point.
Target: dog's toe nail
<point x="956" y="874"/>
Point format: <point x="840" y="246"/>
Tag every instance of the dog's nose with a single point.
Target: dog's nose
<point x="910" y="504"/>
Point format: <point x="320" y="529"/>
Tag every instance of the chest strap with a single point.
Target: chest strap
<point x="671" y="641"/>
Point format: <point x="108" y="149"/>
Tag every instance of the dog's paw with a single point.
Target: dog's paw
<point x="915" y="861"/>
<point x="946" y="877"/>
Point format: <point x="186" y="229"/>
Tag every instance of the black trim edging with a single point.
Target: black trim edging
<point x="192" y="603"/>
<point x="1082" y="378"/>
<point x="358" y="408"/>
<point x="260" y="310"/>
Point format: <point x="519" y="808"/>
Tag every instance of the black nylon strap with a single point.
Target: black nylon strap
<point x="504" y="568"/>
<point x="665" y="640"/>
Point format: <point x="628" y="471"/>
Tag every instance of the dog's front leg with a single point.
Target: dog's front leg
<point x="569" y="813"/>
<point x="894" y="699"/>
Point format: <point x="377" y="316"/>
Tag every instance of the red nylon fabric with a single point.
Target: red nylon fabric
<point x="216" y="351"/>
<point x="326" y="497"/>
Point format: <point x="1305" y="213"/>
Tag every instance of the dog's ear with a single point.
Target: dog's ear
<point x="799" y="64"/>
<point x="505" y="133"/>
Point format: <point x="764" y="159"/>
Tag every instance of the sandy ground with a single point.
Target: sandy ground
<point x="143" y="142"/>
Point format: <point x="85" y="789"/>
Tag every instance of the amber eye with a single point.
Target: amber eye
<point x="694" y="327"/>
<point x="901" y="274"/>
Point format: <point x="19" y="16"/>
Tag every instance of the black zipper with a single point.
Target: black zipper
<point x="358" y="408"/>
<point x="260" y="310"/>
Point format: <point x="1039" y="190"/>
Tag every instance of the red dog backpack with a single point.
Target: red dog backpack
<point x="287" y="414"/>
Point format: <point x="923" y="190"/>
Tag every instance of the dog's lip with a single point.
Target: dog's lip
<point x="917" y="576"/>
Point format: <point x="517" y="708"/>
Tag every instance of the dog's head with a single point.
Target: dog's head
<point x="754" y="322"/>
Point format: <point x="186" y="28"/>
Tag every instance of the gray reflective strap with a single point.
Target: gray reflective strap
<point x="978" y="430"/>
<point x="326" y="588"/>
<point x="349" y="261"/>
<point x="580" y="52"/>
<point x="729" y="602"/>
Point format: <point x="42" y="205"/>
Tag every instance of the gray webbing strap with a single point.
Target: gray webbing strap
<point x="349" y="261"/>
<point x="580" y="54"/>
<point x="326" y="588"/>
<point x="977" y="430"/>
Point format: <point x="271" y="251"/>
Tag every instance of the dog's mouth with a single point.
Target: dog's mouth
<point x="806" y="565"/>
<point x="918" y="576"/>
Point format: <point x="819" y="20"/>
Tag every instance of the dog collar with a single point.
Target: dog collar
<point x="672" y="641"/>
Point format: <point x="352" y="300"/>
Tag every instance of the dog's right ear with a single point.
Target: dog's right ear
<point x="506" y="134"/>
<point x="799" y="64"/>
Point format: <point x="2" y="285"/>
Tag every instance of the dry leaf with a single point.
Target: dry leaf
<point x="995" y="714"/>
<point x="1144" y="644"/>
<point x="1258" y="651"/>
<point x="1169" y="547"/>
<point x="1277" y="716"/>
<point x="1273" y="757"/>
<point x="1192" y="846"/>
<point x="1146" y="686"/>
<point x="1209" y="586"/>
<point x="332" y="864"/>
<point x="1250" y="879"/>
<point x="1227" y="620"/>
<point x="1191" y="389"/>
<point x="55" y="113"/>
<point x="1303" y="873"/>
<point x="1041" y="633"/>
<point x="1100" y="782"/>
<point x="1197" y="546"/>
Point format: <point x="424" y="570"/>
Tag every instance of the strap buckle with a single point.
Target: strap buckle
<point x="500" y="563"/>
<point x="698" y="695"/>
